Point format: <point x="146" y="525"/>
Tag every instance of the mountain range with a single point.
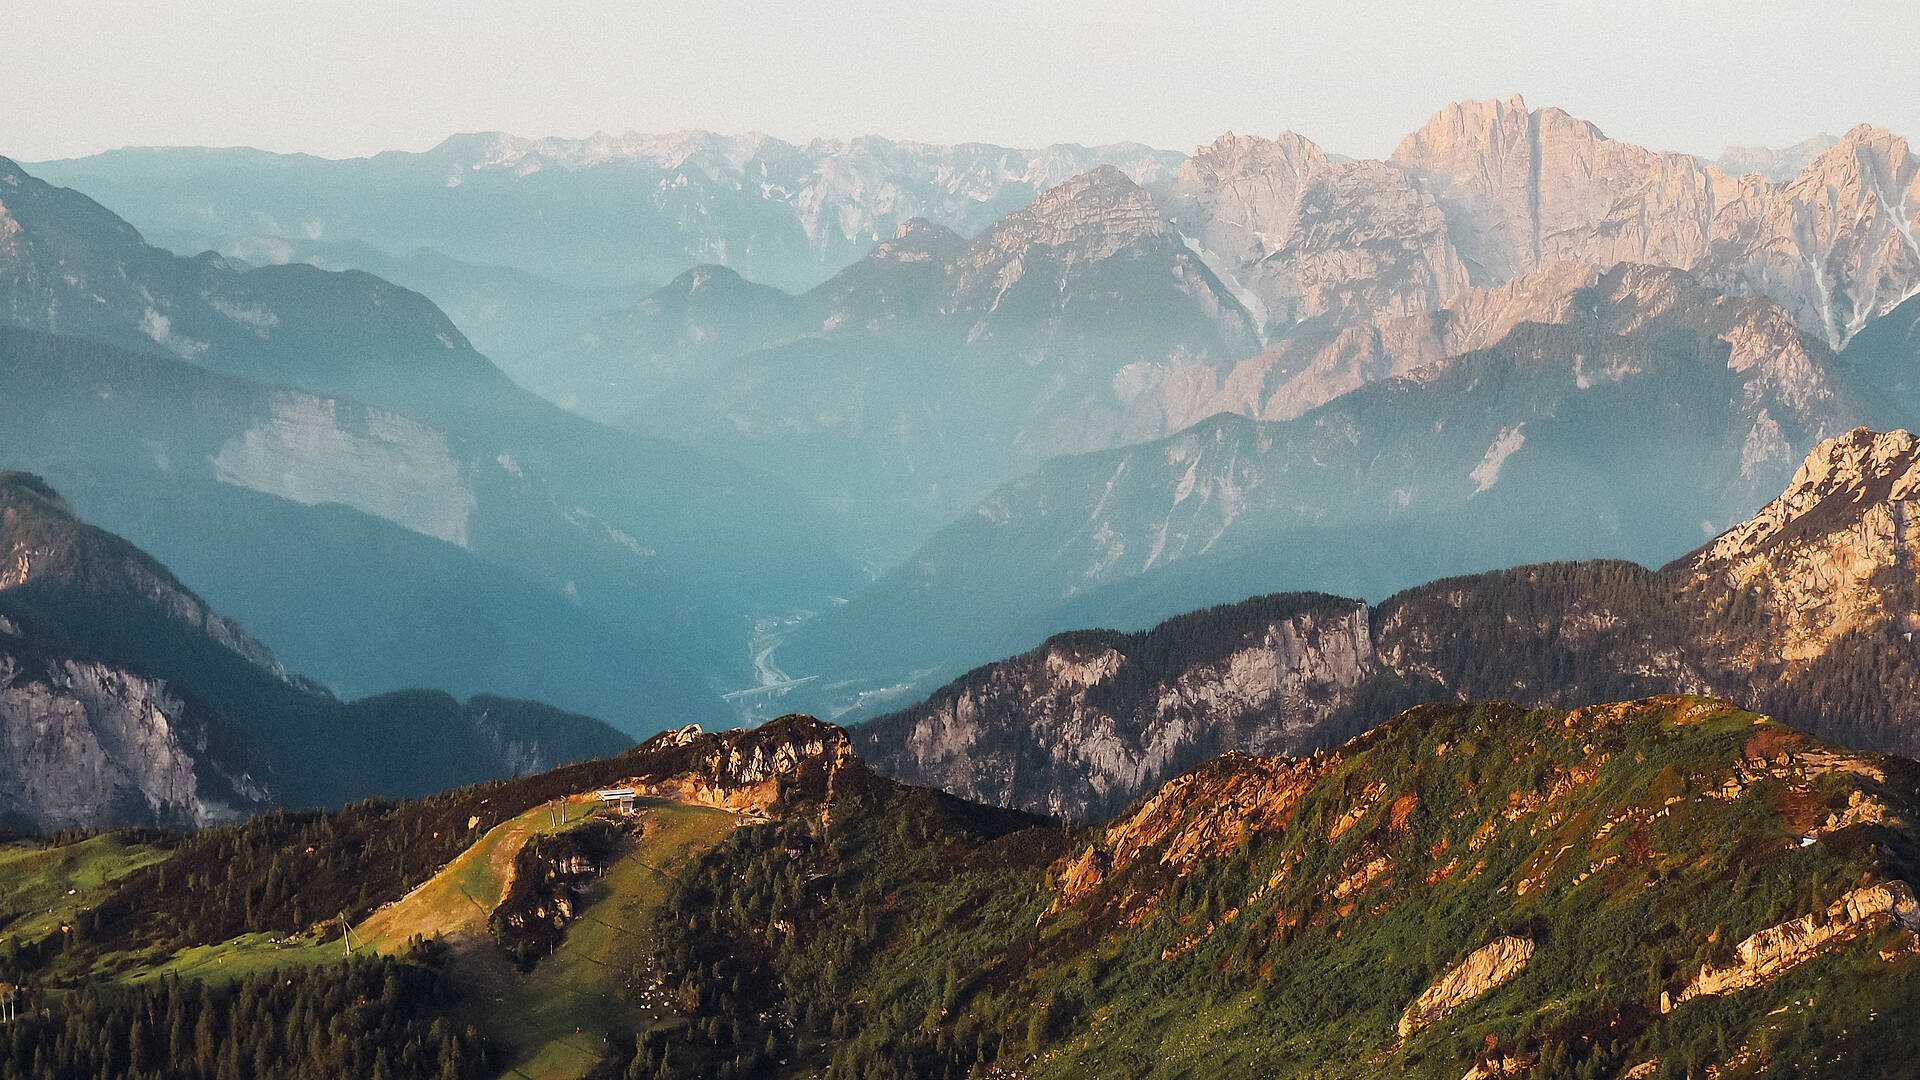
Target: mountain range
<point x="1509" y="452"/>
<point x="1568" y="732"/>
<point x="1655" y="886"/>
<point x="1804" y="611"/>
<point x="910" y="408"/>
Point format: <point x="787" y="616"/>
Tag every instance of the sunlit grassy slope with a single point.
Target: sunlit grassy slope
<point x="600" y="980"/>
<point x="43" y="887"/>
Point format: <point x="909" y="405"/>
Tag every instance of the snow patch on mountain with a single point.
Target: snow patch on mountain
<point x="1487" y="473"/>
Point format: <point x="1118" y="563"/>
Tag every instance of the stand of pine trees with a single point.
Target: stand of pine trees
<point x="376" y="1019"/>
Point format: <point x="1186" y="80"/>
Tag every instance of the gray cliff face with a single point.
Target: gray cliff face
<point x="85" y="743"/>
<point x="1079" y="727"/>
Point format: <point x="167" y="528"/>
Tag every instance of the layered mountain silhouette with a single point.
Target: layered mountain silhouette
<point x="1518" y="450"/>
<point x="920" y="376"/>
<point x="389" y="411"/>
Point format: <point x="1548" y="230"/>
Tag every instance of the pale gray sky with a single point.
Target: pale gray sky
<point x="340" y="79"/>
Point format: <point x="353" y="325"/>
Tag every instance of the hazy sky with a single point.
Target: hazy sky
<point x="341" y="79"/>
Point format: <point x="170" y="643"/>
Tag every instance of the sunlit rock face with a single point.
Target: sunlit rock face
<point x="1526" y="189"/>
<point x="1833" y="244"/>
<point x="1301" y="236"/>
<point x="1837" y="245"/>
<point x="1819" y="556"/>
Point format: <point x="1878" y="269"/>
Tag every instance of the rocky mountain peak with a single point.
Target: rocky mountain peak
<point x="918" y="240"/>
<point x="1867" y="163"/>
<point x="1486" y="130"/>
<point x="1842" y="481"/>
<point x="1093" y="215"/>
<point x="1815" y="559"/>
<point x="1867" y="135"/>
<point x="748" y="770"/>
<point x="1522" y="189"/>
<point x="1299" y="236"/>
<point x="43" y="544"/>
<point x="1283" y="161"/>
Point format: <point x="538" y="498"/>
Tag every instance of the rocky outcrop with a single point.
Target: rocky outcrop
<point x="1482" y="970"/>
<point x="1767" y="953"/>
<point x="545" y="890"/>
<point x="746" y="771"/>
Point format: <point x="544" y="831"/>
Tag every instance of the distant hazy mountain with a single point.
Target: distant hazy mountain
<point x="692" y="327"/>
<point x="1776" y="165"/>
<point x="1651" y="414"/>
<point x="376" y="551"/>
<point x="915" y="380"/>
<point x="1801" y="611"/>
<point x="72" y="267"/>
<point x="599" y="212"/>
<point x="125" y="699"/>
<point x="509" y="315"/>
